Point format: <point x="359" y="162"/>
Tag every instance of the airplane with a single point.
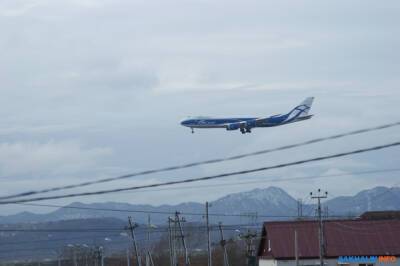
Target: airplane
<point x="246" y="124"/>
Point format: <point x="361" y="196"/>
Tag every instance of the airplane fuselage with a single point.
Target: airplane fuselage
<point x="211" y="122"/>
<point x="245" y="124"/>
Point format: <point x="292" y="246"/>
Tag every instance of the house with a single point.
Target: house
<point x="360" y="242"/>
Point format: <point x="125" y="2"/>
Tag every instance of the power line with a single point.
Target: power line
<point x="88" y="230"/>
<point x="164" y="230"/>
<point x="53" y="240"/>
<point x="212" y="161"/>
<point x="224" y="184"/>
<point x="266" y="180"/>
<point x="47" y="248"/>
<point x="191" y="180"/>
<point x="149" y="212"/>
<point x="116" y="229"/>
<point x="112" y="242"/>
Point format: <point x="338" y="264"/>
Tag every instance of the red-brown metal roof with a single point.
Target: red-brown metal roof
<point x="342" y="238"/>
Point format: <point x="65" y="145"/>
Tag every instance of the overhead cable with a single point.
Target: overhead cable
<point x="211" y="177"/>
<point x="212" y="161"/>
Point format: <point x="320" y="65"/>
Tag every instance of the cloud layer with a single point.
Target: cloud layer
<point x="97" y="88"/>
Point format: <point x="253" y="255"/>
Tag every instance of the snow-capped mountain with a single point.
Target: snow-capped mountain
<point x="378" y="198"/>
<point x="269" y="203"/>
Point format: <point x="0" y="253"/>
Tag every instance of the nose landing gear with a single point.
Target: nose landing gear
<point x="192" y="130"/>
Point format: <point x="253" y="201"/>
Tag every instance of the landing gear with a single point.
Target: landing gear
<point x="192" y="130"/>
<point x="245" y="130"/>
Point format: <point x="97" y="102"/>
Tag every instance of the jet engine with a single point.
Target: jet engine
<point x="249" y="124"/>
<point x="233" y="126"/>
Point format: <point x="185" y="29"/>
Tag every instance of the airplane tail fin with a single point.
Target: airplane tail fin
<point x="306" y="106"/>
<point x="302" y="110"/>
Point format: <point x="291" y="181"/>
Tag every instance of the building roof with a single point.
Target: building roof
<point x="342" y="238"/>
<point x="380" y="215"/>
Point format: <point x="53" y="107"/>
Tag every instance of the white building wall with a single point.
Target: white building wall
<point x="267" y="263"/>
<point x="315" y="262"/>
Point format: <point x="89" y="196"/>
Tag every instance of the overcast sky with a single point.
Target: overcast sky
<point x="97" y="88"/>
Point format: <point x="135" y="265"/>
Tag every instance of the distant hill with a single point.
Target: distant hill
<point x="80" y="226"/>
<point x="376" y="199"/>
<point x="271" y="201"/>
<point x="44" y="240"/>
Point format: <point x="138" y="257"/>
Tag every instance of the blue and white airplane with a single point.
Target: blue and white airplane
<point x="246" y="124"/>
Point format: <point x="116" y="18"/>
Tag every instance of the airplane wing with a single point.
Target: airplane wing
<point x="241" y="125"/>
<point x="235" y="125"/>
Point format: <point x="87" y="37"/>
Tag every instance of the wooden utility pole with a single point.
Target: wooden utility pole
<point x="132" y="227"/>
<point x="320" y="231"/>
<point x="171" y="246"/>
<point x="223" y="245"/>
<point x="182" y="236"/>
<point x="296" y="247"/>
<point x="149" y="258"/>
<point x="299" y="209"/>
<point x="250" y="248"/>
<point x="208" y="236"/>
<point x="128" y="257"/>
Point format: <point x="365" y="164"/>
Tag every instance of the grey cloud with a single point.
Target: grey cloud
<point x="117" y="76"/>
<point x="29" y="159"/>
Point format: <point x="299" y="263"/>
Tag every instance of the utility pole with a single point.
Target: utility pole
<point x="132" y="227"/>
<point x="175" y="244"/>
<point x="296" y="247"/>
<point x="171" y="242"/>
<point x="250" y="248"/>
<point x="128" y="257"/>
<point x="326" y="211"/>
<point x="223" y="245"/>
<point x="149" y="259"/>
<point x="208" y="236"/>
<point x="96" y="256"/>
<point x="179" y="220"/>
<point x="299" y="209"/>
<point x="99" y="256"/>
<point x="59" y="254"/>
<point x="74" y="256"/>
<point x="148" y="241"/>
<point x="320" y="230"/>
<point x="101" y="252"/>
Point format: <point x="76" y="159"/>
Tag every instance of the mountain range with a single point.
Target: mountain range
<point x="271" y="203"/>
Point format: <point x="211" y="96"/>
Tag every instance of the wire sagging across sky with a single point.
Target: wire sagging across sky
<point x="211" y="177"/>
<point x="224" y="184"/>
<point x="212" y="161"/>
